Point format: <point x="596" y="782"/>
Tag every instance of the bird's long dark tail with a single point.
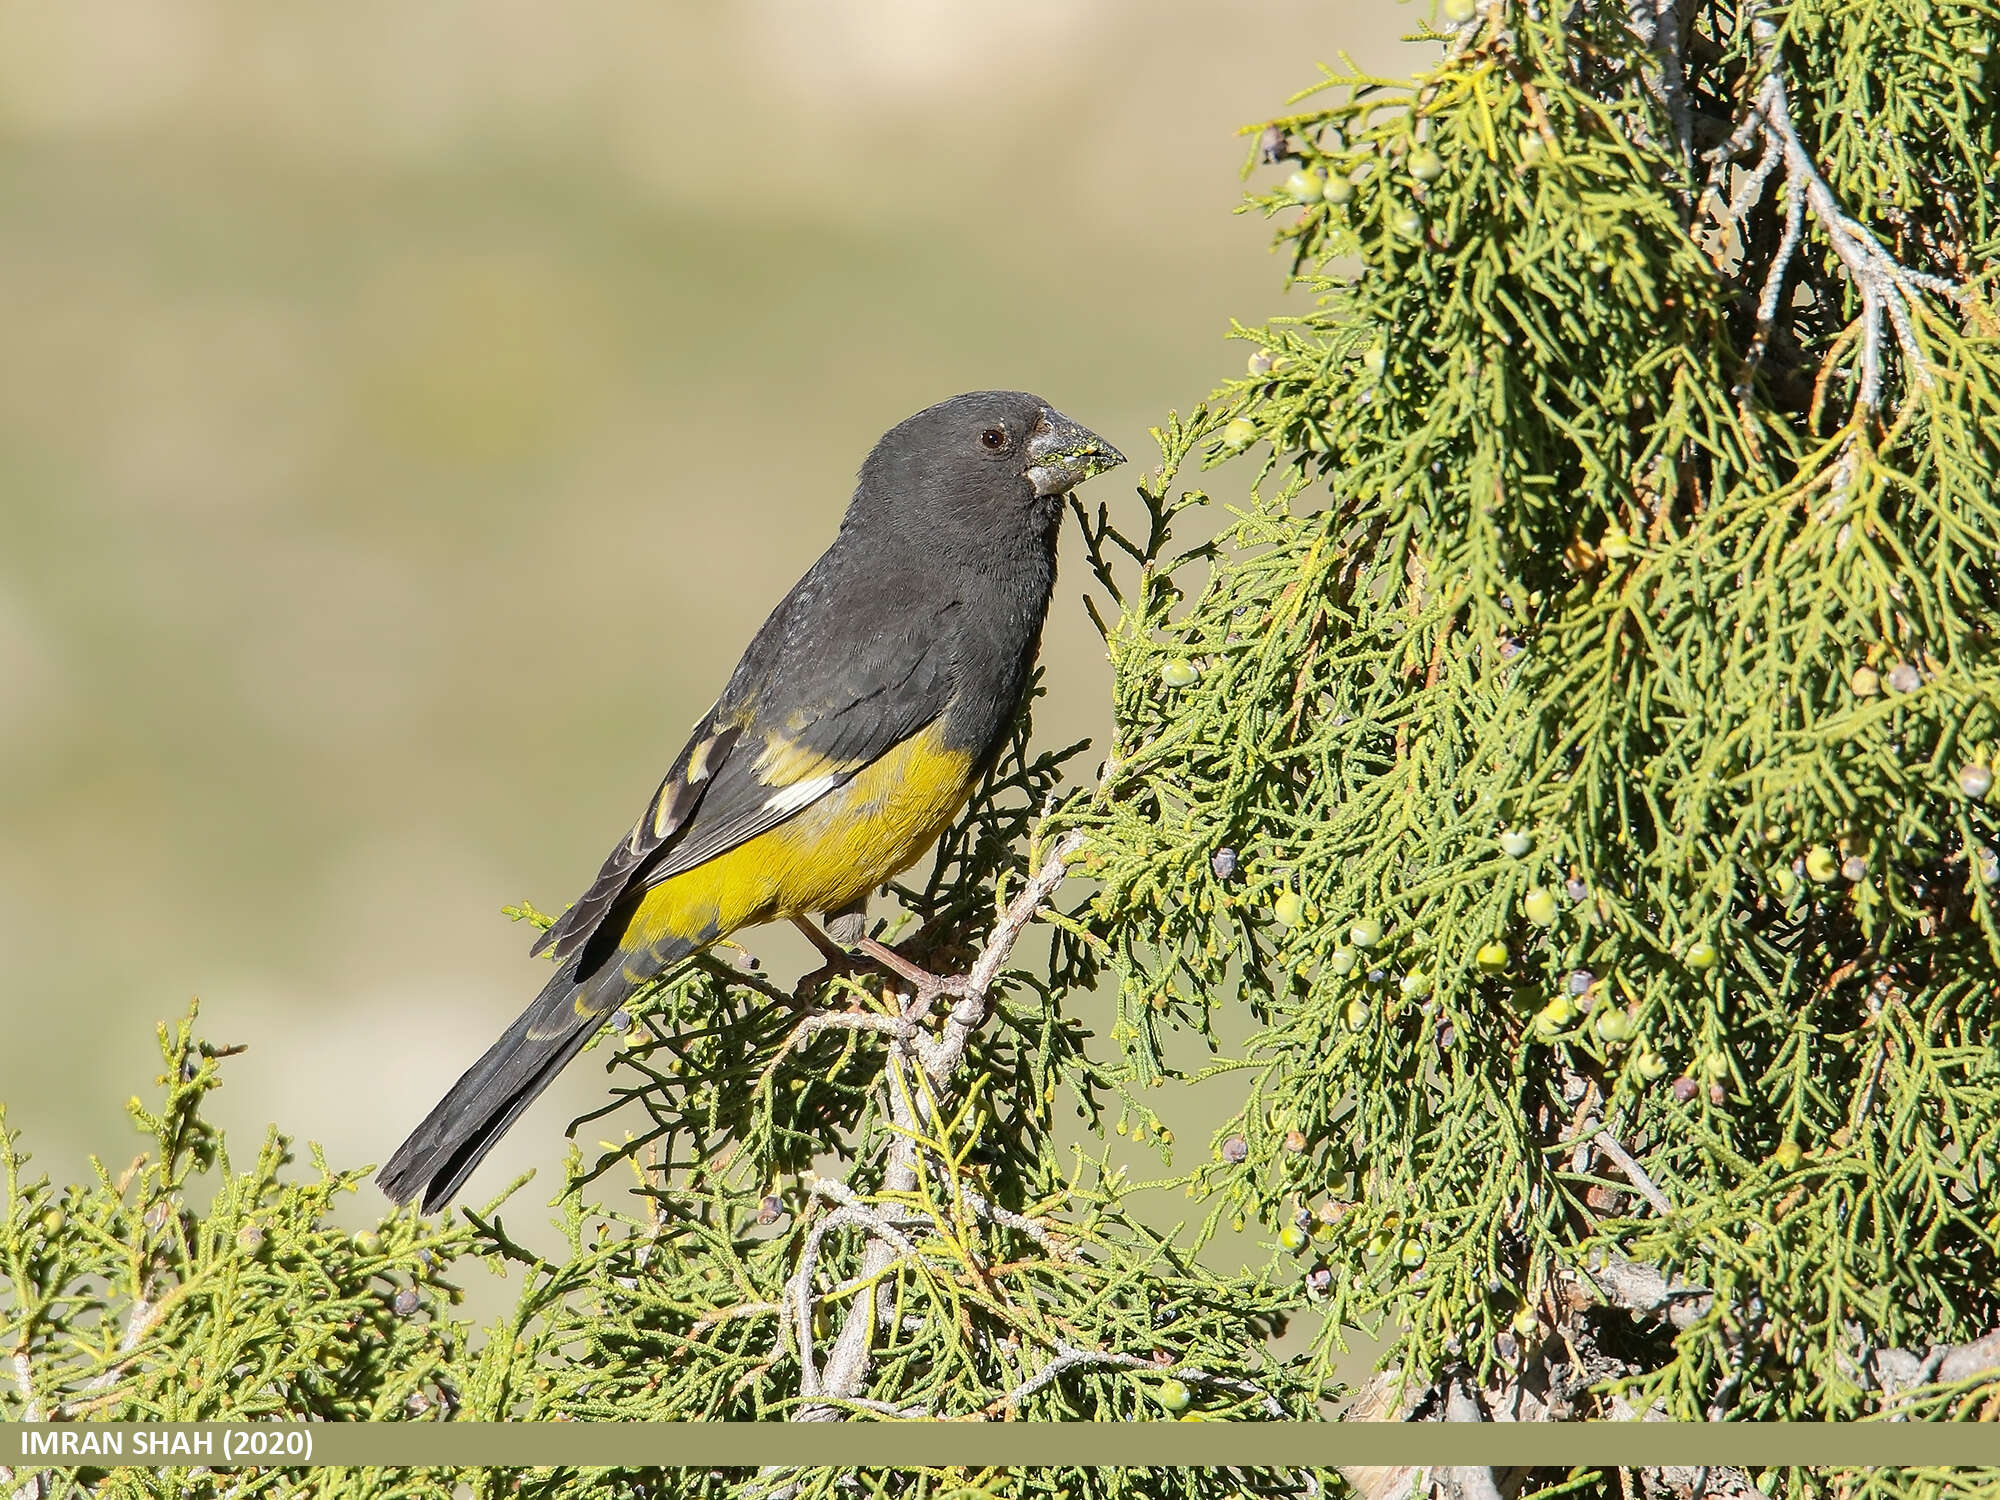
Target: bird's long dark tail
<point x="469" y="1121"/>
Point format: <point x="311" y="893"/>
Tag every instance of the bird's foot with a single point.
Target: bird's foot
<point x="809" y="985"/>
<point x="842" y="961"/>
<point x="928" y="986"/>
<point x="839" y="962"/>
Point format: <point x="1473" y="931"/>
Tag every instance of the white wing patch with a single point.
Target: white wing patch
<point x="791" y="798"/>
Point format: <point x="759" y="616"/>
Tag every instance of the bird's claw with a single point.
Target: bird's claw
<point x="810" y="985"/>
<point x="843" y="961"/>
<point x="927" y="985"/>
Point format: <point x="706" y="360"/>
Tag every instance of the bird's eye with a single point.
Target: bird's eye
<point x="994" y="437"/>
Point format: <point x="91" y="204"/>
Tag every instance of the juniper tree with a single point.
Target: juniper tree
<point x="1571" y="747"/>
<point x="1576" y="749"/>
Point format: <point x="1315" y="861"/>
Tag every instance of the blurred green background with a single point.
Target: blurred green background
<point x="410" y="409"/>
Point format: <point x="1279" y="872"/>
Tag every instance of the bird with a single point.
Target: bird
<point x="855" y="728"/>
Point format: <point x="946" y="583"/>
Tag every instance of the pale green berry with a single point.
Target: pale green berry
<point x="1458" y="12"/>
<point x="1866" y="682"/>
<point x="1787" y="1156"/>
<point x="1539" y="906"/>
<point x="1179" y="674"/>
<point x="1821" y="863"/>
<point x="1288" y="908"/>
<point x="1359" y="1014"/>
<point x="1342" y="960"/>
<point x="1701" y="954"/>
<point x="1552" y="1018"/>
<point x="1306" y="186"/>
<point x="1416" y="984"/>
<point x="1293" y="1239"/>
<point x="1338" y="189"/>
<point x="1174" y="1395"/>
<point x="1239" y="434"/>
<point x="1375" y="359"/>
<point x="1533" y="147"/>
<point x="1492" y="957"/>
<point x="1407" y="222"/>
<point x="1516" y="844"/>
<point x="1650" y="1066"/>
<point x="1975" y="781"/>
<point x="368" y="1242"/>
<point x="1411" y="1254"/>
<point x="1614" y="1025"/>
<point x="1426" y="165"/>
<point x="1366" y="932"/>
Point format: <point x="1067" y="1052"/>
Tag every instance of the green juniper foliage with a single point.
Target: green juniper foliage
<point x="1574" y="753"/>
<point x="1577" y="749"/>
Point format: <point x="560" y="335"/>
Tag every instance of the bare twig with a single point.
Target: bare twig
<point x="1034" y="1230"/>
<point x="1634" y="1173"/>
<point x="1898" y="1370"/>
<point x="798" y="1289"/>
<point x="1888" y="289"/>
<point x="846" y="1367"/>
<point x="834" y="1020"/>
<point x="1666" y="43"/>
<point x="1645" y="1291"/>
<point x="877" y="1220"/>
<point x="1068" y="1359"/>
<point x="941" y="1058"/>
<point x="1461" y="1404"/>
<point x="139" y="1324"/>
<point x="24" y="1377"/>
<point x="1750" y="191"/>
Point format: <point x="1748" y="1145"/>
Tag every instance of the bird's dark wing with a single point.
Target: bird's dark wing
<point x="804" y="711"/>
<point x="667" y="812"/>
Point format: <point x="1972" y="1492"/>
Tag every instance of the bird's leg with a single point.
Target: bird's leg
<point x="928" y="986"/>
<point x="836" y="956"/>
<point x="839" y="961"/>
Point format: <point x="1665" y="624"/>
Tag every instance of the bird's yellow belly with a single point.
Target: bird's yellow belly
<point x="832" y="853"/>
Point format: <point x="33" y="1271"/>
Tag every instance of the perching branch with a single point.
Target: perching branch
<point x="846" y="1368"/>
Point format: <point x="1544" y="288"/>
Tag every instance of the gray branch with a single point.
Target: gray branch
<point x="1646" y="1292"/>
<point x="1461" y="1404"/>
<point x="1888" y="289"/>
<point x="846" y="1368"/>
<point x="1634" y="1173"/>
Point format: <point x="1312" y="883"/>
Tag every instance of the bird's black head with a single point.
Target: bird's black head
<point x="977" y="474"/>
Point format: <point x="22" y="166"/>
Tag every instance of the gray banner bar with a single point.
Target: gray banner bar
<point x="909" y="1444"/>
